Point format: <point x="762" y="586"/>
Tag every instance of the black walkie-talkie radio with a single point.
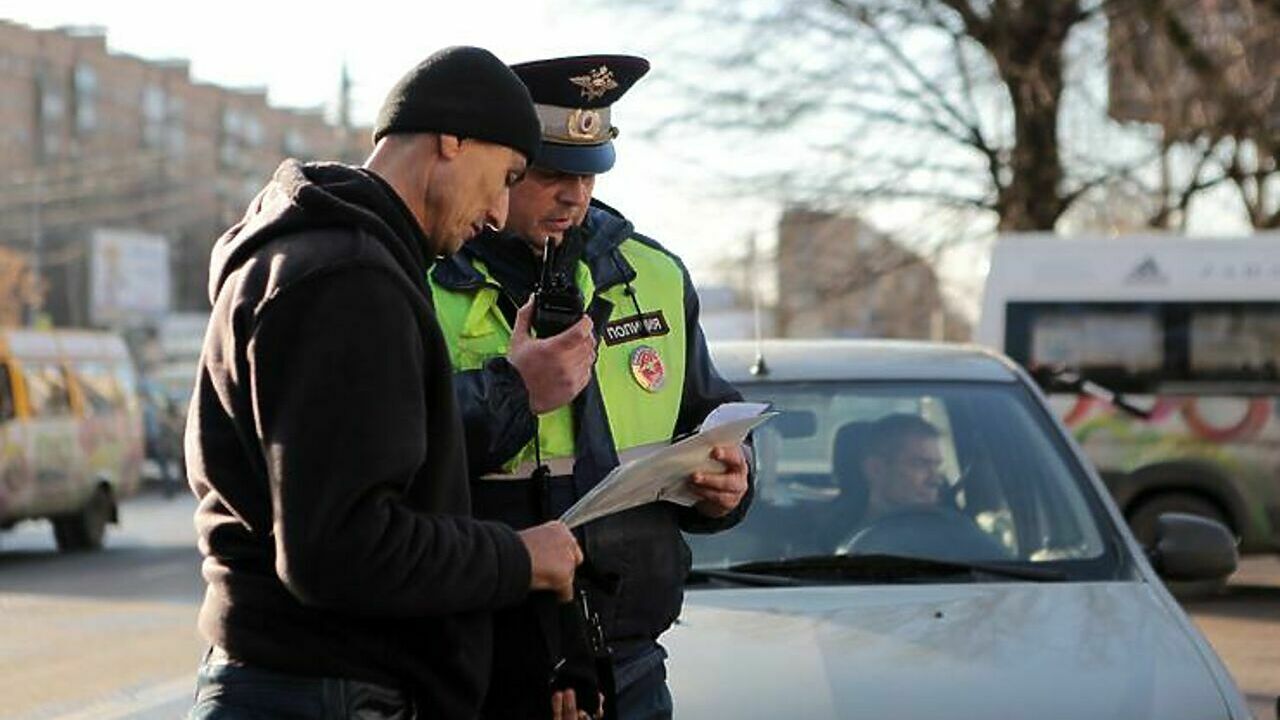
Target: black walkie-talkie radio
<point x="557" y="301"/>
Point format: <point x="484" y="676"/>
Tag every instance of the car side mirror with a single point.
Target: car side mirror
<point x="1192" y="547"/>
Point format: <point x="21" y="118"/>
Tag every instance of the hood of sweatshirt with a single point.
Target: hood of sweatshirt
<point x="309" y="196"/>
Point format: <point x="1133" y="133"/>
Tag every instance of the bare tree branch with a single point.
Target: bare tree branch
<point x="910" y="99"/>
<point x="934" y="93"/>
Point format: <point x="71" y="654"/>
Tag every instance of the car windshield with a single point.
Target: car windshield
<point x="972" y="475"/>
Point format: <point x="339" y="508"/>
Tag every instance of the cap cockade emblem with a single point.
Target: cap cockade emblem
<point x="584" y="125"/>
<point x="595" y="83"/>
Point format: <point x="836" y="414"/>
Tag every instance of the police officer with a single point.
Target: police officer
<point x="646" y="378"/>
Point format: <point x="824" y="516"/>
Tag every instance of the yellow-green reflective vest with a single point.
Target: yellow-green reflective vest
<point x="639" y="412"/>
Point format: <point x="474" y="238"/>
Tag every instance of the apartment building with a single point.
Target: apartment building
<point x="91" y="138"/>
<point x="839" y="277"/>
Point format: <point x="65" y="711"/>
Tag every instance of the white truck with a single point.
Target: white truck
<point x="1187" y="330"/>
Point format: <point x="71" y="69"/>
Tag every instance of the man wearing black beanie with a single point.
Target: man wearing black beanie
<point x="345" y="574"/>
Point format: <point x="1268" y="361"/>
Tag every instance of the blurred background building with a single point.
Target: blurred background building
<point x="726" y="314"/>
<point x="843" y="278"/>
<point x="119" y="173"/>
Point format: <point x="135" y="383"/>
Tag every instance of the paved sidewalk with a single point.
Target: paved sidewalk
<point x="1244" y="627"/>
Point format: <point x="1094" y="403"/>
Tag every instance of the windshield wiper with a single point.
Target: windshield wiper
<point x="1059" y="379"/>
<point x="702" y="575"/>
<point x="882" y="566"/>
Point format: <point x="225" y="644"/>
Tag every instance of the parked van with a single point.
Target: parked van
<point x="71" y="441"/>
<point x="1188" y="331"/>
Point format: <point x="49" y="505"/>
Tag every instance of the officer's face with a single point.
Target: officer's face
<point x="470" y="190"/>
<point x="546" y="203"/>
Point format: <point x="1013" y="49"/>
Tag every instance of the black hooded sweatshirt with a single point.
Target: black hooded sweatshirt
<point x="327" y="452"/>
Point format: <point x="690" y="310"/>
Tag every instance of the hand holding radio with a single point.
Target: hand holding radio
<point x="557" y="299"/>
<point x="553" y="344"/>
<point x="554" y="369"/>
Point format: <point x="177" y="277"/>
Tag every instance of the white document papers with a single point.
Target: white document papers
<point x="731" y="411"/>
<point x="663" y="473"/>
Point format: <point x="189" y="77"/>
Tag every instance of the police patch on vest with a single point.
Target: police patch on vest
<point x="636" y="327"/>
<point x="647" y="368"/>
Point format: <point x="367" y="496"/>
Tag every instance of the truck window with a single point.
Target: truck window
<point x="1125" y="342"/>
<point x="7" y="409"/>
<point x="98" y="384"/>
<point x="47" y="389"/>
<point x="1239" y="342"/>
<point x="127" y="383"/>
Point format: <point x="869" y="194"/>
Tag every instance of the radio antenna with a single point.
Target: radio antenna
<point x="759" y="368"/>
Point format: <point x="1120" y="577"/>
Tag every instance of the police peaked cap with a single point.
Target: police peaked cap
<point x="572" y="96"/>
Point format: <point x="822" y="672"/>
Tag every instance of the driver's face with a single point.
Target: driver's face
<point x="912" y="476"/>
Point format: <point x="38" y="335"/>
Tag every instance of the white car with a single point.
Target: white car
<point x="927" y="542"/>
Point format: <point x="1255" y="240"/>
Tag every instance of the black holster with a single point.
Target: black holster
<point x="543" y="646"/>
<point x="586" y="662"/>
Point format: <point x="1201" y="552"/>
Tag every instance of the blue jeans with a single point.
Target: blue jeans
<point x="647" y="697"/>
<point x="239" y="692"/>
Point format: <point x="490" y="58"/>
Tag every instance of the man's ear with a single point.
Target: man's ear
<point x="449" y="146"/>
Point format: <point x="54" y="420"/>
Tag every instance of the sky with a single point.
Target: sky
<point x="297" y="51"/>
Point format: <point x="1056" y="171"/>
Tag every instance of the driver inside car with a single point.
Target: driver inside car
<point x="895" y="499"/>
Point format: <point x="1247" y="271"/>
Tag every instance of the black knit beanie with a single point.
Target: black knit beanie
<point x="463" y="91"/>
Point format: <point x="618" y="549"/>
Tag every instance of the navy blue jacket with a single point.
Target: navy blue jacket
<point x="638" y="558"/>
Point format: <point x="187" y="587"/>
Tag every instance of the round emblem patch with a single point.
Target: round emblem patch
<point x="583" y="124"/>
<point x="647" y="368"/>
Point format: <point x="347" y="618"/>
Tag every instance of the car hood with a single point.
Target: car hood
<point x="1045" y="651"/>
